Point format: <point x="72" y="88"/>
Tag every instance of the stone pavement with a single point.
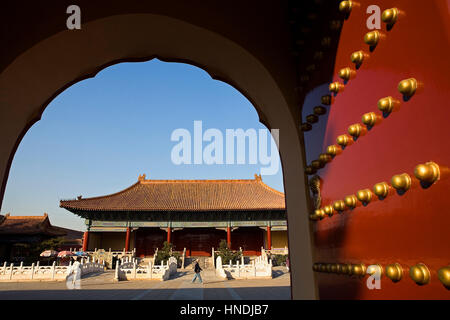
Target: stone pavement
<point x="102" y="286"/>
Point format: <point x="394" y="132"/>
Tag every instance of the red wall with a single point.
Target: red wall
<point x="198" y="241"/>
<point x="414" y="227"/>
<point x="250" y="239"/>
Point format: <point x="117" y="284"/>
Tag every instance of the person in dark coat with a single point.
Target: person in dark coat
<point x="197" y="271"/>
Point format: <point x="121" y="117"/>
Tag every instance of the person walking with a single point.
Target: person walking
<point x="197" y="271"/>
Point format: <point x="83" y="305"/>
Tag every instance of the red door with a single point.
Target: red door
<point x="198" y="241"/>
<point x="148" y="239"/>
<point x="250" y="239"/>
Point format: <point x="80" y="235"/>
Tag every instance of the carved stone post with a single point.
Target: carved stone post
<point x="238" y="269"/>
<point x="53" y="270"/>
<point x="116" y="275"/>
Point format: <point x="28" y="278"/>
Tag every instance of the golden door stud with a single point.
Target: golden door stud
<point x="316" y="164"/>
<point x="372" y="37"/>
<point x="357" y="57"/>
<point x="394" y="272"/>
<point x="369" y="119"/>
<point x="326" y="100"/>
<point x="339" y="206"/>
<point x="343" y="140"/>
<point x="332" y="150"/>
<point x="390" y="16"/>
<point x="344" y="268"/>
<point x="355" y="130"/>
<point x="329" y="265"/>
<point x="444" y="276"/>
<point x="407" y="87"/>
<point x="310" y="170"/>
<point x="306" y="126"/>
<point x="334" y="268"/>
<point x="381" y="189"/>
<point x="346" y="7"/>
<point x="401" y="182"/>
<point x="324" y="158"/>
<point x="386" y="104"/>
<point x="312" y="118"/>
<point x="345" y="73"/>
<point x="365" y="196"/>
<point x="428" y="172"/>
<point x="359" y="269"/>
<point x="319" y="110"/>
<point x="319" y="213"/>
<point x="420" y="274"/>
<point x="351" y="201"/>
<point x="329" y="211"/>
<point x="336" y="87"/>
<point x="375" y="269"/>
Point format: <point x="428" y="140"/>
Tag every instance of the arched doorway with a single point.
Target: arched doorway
<point x="32" y="80"/>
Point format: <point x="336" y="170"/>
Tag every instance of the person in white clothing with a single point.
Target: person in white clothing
<point x="73" y="280"/>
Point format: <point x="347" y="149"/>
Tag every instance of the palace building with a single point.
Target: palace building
<point x="191" y="214"/>
<point x="18" y="235"/>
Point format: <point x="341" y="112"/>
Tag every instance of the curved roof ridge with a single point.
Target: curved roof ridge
<point x="105" y="196"/>
<point x="270" y="188"/>
<point x="150" y="181"/>
<point x="26" y="217"/>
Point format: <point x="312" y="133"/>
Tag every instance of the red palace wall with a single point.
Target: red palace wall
<point x="148" y="239"/>
<point x="199" y="241"/>
<point x="407" y="229"/>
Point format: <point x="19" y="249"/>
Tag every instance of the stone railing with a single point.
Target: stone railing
<point x="92" y="267"/>
<point x="101" y="256"/>
<point x="260" y="268"/>
<point x="214" y="255"/>
<point x="44" y="273"/>
<point x="284" y="250"/>
<point x="131" y="271"/>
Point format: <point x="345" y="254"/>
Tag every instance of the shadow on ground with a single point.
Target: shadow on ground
<point x="248" y="293"/>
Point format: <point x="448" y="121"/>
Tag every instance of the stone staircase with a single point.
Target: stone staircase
<point x="144" y="261"/>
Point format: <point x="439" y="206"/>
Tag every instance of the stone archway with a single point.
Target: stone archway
<point x="38" y="75"/>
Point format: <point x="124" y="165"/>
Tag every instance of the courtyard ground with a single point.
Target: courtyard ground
<point x="180" y="287"/>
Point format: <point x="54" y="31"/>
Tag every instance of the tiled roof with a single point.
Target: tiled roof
<point x="29" y="225"/>
<point x="186" y="195"/>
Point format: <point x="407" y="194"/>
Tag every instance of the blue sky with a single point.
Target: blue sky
<point x="97" y="136"/>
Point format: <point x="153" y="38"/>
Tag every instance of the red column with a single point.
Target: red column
<point x="85" y="240"/>
<point x="269" y="239"/>
<point x="169" y="231"/>
<point x="228" y="237"/>
<point x="127" y="240"/>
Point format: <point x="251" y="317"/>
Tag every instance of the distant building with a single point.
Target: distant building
<point x="17" y="233"/>
<point x="191" y="214"/>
